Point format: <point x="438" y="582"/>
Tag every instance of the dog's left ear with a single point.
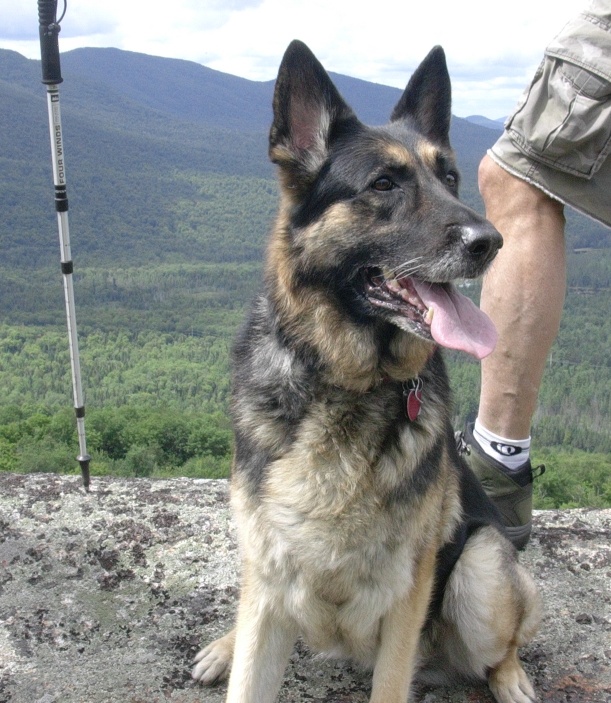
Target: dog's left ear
<point x="427" y="100"/>
<point x="308" y="113"/>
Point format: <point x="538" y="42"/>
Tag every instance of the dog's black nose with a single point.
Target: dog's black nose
<point x="481" y="241"/>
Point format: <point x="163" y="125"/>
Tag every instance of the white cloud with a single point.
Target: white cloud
<point x="492" y="48"/>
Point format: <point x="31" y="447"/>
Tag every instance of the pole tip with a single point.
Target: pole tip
<point x="84" y="462"/>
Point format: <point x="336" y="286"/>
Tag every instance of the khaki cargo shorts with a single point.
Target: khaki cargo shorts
<point x="559" y="138"/>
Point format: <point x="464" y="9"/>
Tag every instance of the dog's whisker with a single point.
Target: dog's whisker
<point x="407" y="268"/>
<point x="408" y="263"/>
<point x="402" y="273"/>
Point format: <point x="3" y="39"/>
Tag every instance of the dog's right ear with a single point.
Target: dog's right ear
<point x="308" y="113"/>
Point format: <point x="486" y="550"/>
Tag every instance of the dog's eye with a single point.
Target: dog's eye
<point x="383" y="183"/>
<point x="451" y="179"/>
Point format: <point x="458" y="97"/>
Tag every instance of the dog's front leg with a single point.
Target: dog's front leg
<point x="264" y="640"/>
<point x="399" y="637"/>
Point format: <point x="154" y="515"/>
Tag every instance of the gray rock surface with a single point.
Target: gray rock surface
<point x="105" y="597"/>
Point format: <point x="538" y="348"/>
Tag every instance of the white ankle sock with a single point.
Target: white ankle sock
<point x="512" y="453"/>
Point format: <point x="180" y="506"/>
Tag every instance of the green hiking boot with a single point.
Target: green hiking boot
<point x="510" y="491"/>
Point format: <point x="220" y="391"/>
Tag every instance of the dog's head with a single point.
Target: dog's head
<point x="372" y="213"/>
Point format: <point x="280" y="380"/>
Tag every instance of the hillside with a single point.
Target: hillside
<point x="142" y="136"/>
<point x="171" y="196"/>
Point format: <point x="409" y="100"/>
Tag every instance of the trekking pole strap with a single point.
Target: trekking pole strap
<point x="49" y="45"/>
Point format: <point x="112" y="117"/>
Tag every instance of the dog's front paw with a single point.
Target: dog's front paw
<point x="511" y="685"/>
<point x="213" y="663"/>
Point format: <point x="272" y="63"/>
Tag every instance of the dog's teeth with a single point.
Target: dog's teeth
<point x="428" y="318"/>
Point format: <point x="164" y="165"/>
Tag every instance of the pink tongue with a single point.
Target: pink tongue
<point x="457" y="322"/>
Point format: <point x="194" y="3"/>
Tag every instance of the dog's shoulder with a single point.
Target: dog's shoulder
<point x="266" y="367"/>
<point x="272" y="386"/>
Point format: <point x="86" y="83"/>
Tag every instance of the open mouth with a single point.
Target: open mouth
<point x="399" y="295"/>
<point x="434" y="311"/>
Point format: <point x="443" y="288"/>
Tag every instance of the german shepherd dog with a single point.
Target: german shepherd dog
<point x="361" y="528"/>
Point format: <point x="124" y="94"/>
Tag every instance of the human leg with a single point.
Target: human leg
<point x="555" y="144"/>
<point x="523" y="293"/>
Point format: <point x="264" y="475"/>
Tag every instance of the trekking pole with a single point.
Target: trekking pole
<point x="51" y="76"/>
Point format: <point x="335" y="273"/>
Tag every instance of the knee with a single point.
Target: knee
<point x="504" y="194"/>
<point x="489" y="177"/>
<point x="495" y="182"/>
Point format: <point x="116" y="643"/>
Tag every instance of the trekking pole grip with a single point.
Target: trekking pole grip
<point x="49" y="44"/>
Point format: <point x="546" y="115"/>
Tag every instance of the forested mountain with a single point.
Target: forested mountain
<point x="141" y="135"/>
<point x="171" y="196"/>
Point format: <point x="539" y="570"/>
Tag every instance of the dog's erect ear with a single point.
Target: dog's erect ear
<point x="427" y="100"/>
<point x="308" y="112"/>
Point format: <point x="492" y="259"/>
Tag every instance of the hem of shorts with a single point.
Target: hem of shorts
<point x="518" y="174"/>
<point x="522" y="144"/>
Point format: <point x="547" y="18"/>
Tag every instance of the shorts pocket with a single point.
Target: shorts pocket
<point x="565" y="119"/>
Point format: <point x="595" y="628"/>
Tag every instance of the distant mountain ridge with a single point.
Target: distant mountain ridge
<point x="139" y="132"/>
<point x="183" y="89"/>
<point x="486" y="122"/>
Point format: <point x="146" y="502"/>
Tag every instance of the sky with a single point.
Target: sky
<point x="492" y="48"/>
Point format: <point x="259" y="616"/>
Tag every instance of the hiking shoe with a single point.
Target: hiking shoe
<point x="510" y="491"/>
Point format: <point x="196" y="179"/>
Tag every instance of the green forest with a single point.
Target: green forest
<point x="156" y="326"/>
<point x="169" y="210"/>
<point x="154" y="345"/>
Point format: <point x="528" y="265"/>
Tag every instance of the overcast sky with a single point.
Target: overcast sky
<point x="492" y="47"/>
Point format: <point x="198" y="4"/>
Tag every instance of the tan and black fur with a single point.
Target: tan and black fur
<point x="362" y="530"/>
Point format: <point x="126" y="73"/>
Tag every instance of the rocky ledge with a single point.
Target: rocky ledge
<point x="106" y="596"/>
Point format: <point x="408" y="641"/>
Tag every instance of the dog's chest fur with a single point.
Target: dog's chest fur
<point x="335" y="492"/>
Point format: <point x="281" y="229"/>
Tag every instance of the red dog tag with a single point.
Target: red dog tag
<point x="412" y="392"/>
